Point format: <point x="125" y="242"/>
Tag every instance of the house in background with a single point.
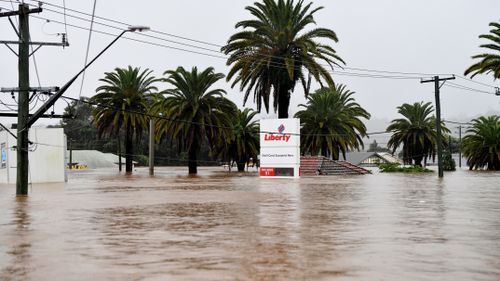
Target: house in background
<point x="368" y="159"/>
<point x="45" y="154"/>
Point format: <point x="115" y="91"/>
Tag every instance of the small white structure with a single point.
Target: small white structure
<point x="94" y="159"/>
<point x="46" y="156"/>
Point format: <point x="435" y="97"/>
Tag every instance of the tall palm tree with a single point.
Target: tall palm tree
<point x="481" y="145"/>
<point x="489" y="62"/>
<point x="244" y="142"/>
<point x="416" y="132"/>
<point x="274" y="51"/>
<point x="124" y="99"/>
<point x="331" y="122"/>
<point x="194" y="113"/>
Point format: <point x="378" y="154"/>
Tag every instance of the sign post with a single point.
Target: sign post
<point x="280" y="148"/>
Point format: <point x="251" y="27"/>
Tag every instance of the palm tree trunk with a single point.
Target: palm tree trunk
<point x="324" y="149"/>
<point x="192" y="162"/>
<point x="418" y="160"/>
<point x="119" y="152"/>
<point x="128" y="149"/>
<point x="241" y="164"/>
<point x="283" y="102"/>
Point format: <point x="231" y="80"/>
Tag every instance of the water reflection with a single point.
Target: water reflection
<point x="220" y="226"/>
<point x="17" y="241"/>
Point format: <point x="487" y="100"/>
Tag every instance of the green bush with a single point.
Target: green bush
<point x="396" y="168"/>
<point x="142" y="160"/>
<point x="448" y="162"/>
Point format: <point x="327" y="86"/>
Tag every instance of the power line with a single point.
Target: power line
<point x="474" y="81"/>
<point x="88" y="46"/>
<point x="462" y="87"/>
<point x="193" y="122"/>
<point x="64" y="8"/>
<point x="269" y="56"/>
<point x="278" y="65"/>
<point x="275" y="64"/>
<point x="126" y="24"/>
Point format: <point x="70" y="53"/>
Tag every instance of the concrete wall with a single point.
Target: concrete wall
<point x="46" y="156"/>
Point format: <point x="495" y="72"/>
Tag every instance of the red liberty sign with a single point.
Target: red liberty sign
<point x="277" y="137"/>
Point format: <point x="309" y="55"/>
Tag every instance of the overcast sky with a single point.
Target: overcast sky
<point x="390" y="35"/>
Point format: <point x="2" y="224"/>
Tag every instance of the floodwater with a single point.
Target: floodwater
<point x="219" y="226"/>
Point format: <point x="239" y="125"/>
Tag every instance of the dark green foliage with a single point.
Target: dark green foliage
<point x="274" y="52"/>
<point x="481" y="145"/>
<point x="83" y="136"/>
<point x="244" y="142"/>
<point x="489" y="62"/>
<point x="124" y="97"/>
<point x="80" y="131"/>
<point x="396" y="168"/>
<point x="416" y="132"/>
<point x="331" y="122"/>
<point x="448" y="162"/>
<point x="194" y="113"/>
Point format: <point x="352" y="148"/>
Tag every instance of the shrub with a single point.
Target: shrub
<point x="396" y="168"/>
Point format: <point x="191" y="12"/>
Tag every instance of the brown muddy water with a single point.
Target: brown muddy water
<point x="219" y="226"/>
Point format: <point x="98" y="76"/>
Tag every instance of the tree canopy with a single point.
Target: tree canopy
<point x="274" y="51"/>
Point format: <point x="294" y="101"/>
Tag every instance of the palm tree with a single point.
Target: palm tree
<point x="123" y="100"/>
<point x="490" y="62"/>
<point x="482" y="144"/>
<point x="244" y="142"/>
<point x="273" y="51"/>
<point x="331" y="122"/>
<point x="192" y="112"/>
<point x="416" y="132"/>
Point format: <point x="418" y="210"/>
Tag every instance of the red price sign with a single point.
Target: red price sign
<point x="267" y="172"/>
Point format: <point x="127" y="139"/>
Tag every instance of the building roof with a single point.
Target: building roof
<point x="357" y="158"/>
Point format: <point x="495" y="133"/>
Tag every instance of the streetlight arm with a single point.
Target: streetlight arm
<point x="52" y="100"/>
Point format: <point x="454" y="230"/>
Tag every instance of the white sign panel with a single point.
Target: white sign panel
<point x="280" y="155"/>
<point x="279" y="147"/>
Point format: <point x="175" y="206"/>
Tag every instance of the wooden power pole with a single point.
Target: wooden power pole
<point x="460" y="146"/>
<point x="24" y="87"/>
<point x="151" y="147"/>
<point x="436" y="80"/>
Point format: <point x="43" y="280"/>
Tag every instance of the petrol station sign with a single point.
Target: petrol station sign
<point x="279" y="148"/>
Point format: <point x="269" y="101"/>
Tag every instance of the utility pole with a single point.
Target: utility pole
<point x="23" y="99"/>
<point x="70" y="165"/>
<point x="119" y="153"/>
<point x="436" y="80"/>
<point x="460" y="146"/>
<point x="151" y="146"/>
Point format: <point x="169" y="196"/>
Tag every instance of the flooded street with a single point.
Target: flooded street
<point x="219" y="226"/>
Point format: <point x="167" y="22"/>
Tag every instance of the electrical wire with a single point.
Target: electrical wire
<point x="278" y="65"/>
<point x="65" y="21"/>
<point x="474" y="81"/>
<point x="219" y="45"/>
<point x="126" y="24"/>
<point x="64" y="8"/>
<point x="194" y="122"/>
<point x="342" y="73"/>
<point x="88" y="46"/>
<point x="268" y="56"/>
<point x="462" y="87"/>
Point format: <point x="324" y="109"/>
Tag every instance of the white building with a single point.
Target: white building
<point x="46" y="156"/>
